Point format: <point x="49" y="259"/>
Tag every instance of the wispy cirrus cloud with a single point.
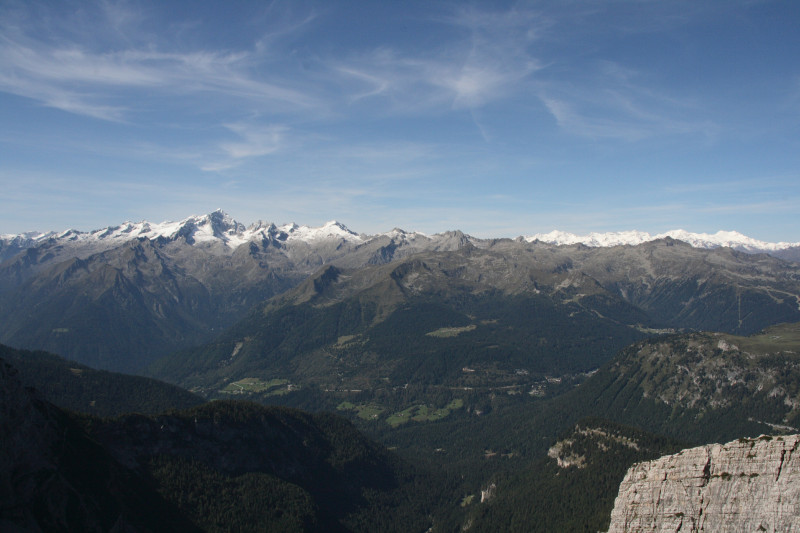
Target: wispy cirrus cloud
<point x="609" y="102"/>
<point x="499" y="56"/>
<point x="255" y="140"/>
<point x="492" y="55"/>
<point x="88" y="64"/>
<point x="487" y="60"/>
<point x="81" y="81"/>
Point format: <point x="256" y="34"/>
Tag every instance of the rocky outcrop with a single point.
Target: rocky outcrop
<point x="745" y="485"/>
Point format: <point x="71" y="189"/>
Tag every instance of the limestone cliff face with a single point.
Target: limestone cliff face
<point x="745" y="485"/>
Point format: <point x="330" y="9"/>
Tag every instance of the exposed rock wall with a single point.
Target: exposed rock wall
<point x="745" y="485"/>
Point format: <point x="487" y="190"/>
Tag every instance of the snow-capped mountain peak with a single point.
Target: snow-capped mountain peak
<point x="219" y="231"/>
<point x="329" y="230"/>
<point x="215" y="226"/>
<point x="593" y="239"/>
<point x="732" y="239"/>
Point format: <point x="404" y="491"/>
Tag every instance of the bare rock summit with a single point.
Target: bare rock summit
<point x="744" y="485"/>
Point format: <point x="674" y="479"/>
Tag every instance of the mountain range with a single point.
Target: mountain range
<point x="123" y="297"/>
<point x="219" y="227"/>
<point x="727" y="239"/>
<point x="522" y="376"/>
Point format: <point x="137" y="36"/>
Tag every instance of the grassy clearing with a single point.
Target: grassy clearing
<point x="781" y="338"/>
<point x="417" y="413"/>
<point x="450" y="332"/>
<point x="369" y="412"/>
<point x="365" y="411"/>
<point x="273" y="387"/>
<point x="398" y="419"/>
<point x="345" y="341"/>
<point x="423" y="413"/>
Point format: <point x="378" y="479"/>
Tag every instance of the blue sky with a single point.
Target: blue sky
<point x="496" y="118"/>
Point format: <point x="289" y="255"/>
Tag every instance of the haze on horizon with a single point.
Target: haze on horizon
<point x="498" y="119"/>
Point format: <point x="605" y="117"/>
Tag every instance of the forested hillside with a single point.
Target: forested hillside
<point x="82" y="389"/>
<point x="216" y="467"/>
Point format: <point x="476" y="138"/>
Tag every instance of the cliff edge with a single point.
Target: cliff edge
<point x="744" y="485"/>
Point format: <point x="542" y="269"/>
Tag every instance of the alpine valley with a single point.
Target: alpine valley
<point x="397" y="381"/>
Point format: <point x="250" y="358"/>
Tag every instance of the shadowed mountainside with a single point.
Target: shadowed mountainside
<point x="82" y="389"/>
<point x="216" y="467"/>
